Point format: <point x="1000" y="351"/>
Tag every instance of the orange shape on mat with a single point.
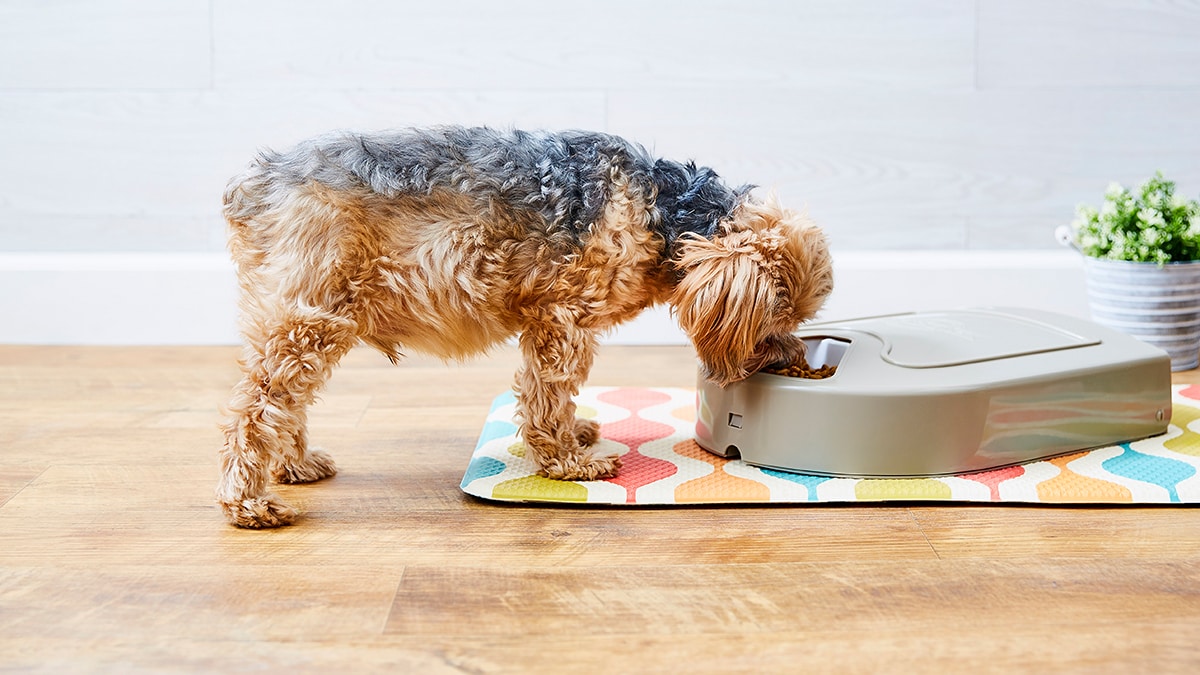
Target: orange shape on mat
<point x="1069" y="486"/>
<point x="687" y="413"/>
<point x="717" y="486"/>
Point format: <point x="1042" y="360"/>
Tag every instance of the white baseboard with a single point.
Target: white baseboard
<point x="180" y="298"/>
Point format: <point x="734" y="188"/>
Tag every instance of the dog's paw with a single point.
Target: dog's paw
<point x="587" y="432"/>
<point x="259" y="513"/>
<point x="581" y="467"/>
<point x="317" y="464"/>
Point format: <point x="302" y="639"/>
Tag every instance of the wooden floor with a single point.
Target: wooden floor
<point x="113" y="556"/>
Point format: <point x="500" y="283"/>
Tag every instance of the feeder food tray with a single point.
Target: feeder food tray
<point x="938" y="393"/>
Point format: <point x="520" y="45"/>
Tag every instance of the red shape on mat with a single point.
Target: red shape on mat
<point x="994" y="478"/>
<point x="633" y="400"/>
<point x="637" y="469"/>
<point x="1192" y="392"/>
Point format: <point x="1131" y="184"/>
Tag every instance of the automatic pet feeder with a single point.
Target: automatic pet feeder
<point x="939" y="393"/>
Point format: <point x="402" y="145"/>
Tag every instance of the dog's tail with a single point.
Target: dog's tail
<point x="248" y="194"/>
<point x="247" y="199"/>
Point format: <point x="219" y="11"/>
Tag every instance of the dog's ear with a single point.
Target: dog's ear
<point x="807" y="276"/>
<point x="723" y="300"/>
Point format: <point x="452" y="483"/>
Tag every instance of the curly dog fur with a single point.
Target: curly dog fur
<point x="451" y="240"/>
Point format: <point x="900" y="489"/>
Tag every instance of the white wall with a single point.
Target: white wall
<point x="948" y="126"/>
<point x="189" y="298"/>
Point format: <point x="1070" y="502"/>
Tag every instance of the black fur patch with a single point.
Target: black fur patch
<point x="692" y="199"/>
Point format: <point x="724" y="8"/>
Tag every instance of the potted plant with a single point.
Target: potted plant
<point x="1142" y="258"/>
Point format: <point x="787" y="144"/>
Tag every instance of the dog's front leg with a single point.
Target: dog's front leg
<point x="557" y="358"/>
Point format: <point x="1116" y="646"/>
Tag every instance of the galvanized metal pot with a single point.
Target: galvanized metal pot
<point x="1159" y="305"/>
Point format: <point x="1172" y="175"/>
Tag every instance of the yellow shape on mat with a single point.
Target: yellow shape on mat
<point x="879" y="489"/>
<point x="1187" y="443"/>
<point x="540" y="489"/>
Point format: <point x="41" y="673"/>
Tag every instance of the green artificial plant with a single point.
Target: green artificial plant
<point x="1151" y="224"/>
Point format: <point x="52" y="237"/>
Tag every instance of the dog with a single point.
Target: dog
<point x="451" y="240"/>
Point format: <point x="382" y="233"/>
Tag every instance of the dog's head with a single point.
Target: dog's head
<point x="744" y="292"/>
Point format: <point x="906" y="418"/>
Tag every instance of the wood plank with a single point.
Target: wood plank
<point x="1130" y="647"/>
<point x="521" y="45"/>
<point x="105" y="44"/>
<point x="20" y="361"/>
<point x="269" y="600"/>
<point x="14" y="478"/>
<point x="139" y="233"/>
<point x="242" y="653"/>
<point x="406" y="511"/>
<point x="1076" y="43"/>
<point x="1073" y="532"/>
<point x="864" y="598"/>
<point x="898" y="647"/>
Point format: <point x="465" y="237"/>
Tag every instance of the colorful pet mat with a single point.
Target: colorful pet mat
<point x="652" y="429"/>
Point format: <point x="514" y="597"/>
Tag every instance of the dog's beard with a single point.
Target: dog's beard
<point x="773" y="351"/>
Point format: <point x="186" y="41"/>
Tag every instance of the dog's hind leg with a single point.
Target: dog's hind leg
<point x="300" y="463"/>
<point x="557" y="358"/>
<point x="287" y="361"/>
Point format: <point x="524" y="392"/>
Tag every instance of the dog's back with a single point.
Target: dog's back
<point x="562" y="176"/>
<point x="561" y="180"/>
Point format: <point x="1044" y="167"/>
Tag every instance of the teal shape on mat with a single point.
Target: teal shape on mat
<point x="1152" y="469"/>
<point x="482" y="467"/>
<point x="810" y="483"/>
<point x="495" y="429"/>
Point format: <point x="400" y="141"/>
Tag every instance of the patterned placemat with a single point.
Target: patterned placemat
<point x="653" y="431"/>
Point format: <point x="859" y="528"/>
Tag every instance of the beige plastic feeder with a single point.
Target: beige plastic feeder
<point x="936" y="393"/>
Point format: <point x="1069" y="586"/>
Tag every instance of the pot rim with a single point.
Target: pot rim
<point x="1132" y="263"/>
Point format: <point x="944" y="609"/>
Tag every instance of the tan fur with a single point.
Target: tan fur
<point x="322" y="270"/>
<point x="746" y="290"/>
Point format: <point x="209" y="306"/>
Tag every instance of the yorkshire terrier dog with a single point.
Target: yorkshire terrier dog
<point x="451" y="240"/>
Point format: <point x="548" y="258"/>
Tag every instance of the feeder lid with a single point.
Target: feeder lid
<point x="952" y="338"/>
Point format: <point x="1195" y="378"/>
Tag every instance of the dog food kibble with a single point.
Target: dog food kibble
<point x="800" y="369"/>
